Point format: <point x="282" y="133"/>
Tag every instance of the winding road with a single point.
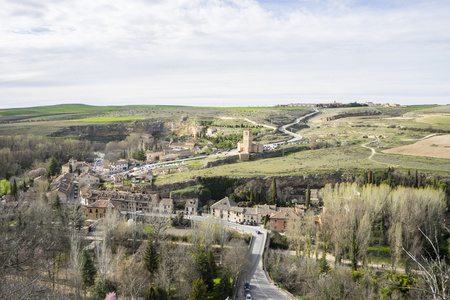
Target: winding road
<point x="296" y="137"/>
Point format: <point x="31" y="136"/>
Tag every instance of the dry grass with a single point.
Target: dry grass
<point x="438" y="146"/>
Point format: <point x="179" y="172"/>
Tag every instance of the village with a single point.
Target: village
<point x="126" y="187"/>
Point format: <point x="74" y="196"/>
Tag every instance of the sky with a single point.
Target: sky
<point x="223" y="52"/>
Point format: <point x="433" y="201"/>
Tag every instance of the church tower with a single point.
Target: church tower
<point x="248" y="139"/>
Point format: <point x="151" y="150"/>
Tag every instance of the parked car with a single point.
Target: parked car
<point x="247" y="287"/>
<point x="248" y="297"/>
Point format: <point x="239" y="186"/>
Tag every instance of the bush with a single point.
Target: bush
<point x="277" y="241"/>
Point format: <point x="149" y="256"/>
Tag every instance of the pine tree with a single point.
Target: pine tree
<point x="308" y="197"/>
<point x="198" y="291"/>
<point x="88" y="270"/>
<point x="151" y="258"/>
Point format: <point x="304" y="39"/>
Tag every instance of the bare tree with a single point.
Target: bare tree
<point x="236" y="258"/>
<point x="132" y="278"/>
<point x="158" y="225"/>
<point x="75" y="261"/>
<point x="433" y="269"/>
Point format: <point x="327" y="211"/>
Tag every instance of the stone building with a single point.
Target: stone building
<point x="248" y="146"/>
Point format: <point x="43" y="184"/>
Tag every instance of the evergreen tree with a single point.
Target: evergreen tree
<point x="266" y="221"/>
<point x="88" y="270"/>
<point x="151" y="258"/>
<point x="24" y="185"/>
<point x="416" y="180"/>
<point x="204" y="268"/>
<point x="70" y="168"/>
<point x="156" y="294"/>
<point x="308" y="197"/>
<point x="53" y="168"/>
<point x="198" y="291"/>
<point x="224" y="288"/>
<point x="273" y="196"/>
<point x="323" y="266"/>
<point x="354" y="248"/>
<point x="14" y="188"/>
<point x="212" y="263"/>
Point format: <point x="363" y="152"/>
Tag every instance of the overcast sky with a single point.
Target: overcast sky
<point x="223" y="52"/>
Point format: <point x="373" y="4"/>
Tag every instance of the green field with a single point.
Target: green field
<point x="254" y="108"/>
<point x="106" y="119"/>
<point x="436" y="120"/>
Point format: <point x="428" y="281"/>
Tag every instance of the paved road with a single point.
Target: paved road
<point x="260" y="287"/>
<point x="296" y="137"/>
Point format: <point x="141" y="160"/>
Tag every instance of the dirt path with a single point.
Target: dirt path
<point x="248" y="120"/>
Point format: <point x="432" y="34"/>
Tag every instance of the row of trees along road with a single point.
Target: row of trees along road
<point x="362" y="224"/>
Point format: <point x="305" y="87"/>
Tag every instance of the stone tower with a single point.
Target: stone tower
<point x="248" y="139"/>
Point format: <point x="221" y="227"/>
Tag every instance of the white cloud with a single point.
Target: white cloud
<point x="241" y="51"/>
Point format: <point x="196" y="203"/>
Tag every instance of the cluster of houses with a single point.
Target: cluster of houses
<point x="325" y="105"/>
<point x="279" y="217"/>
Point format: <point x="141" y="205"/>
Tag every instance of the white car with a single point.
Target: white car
<point x="248" y="297"/>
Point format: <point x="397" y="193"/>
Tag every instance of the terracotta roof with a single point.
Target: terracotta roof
<point x="104" y="204"/>
<point x="286" y="214"/>
<point x="225" y="203"/>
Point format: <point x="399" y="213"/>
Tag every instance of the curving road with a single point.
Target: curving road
<point x="260" y="286"/>
<point x="296" y="137"/>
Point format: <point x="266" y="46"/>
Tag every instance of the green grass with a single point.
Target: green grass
<point x="105" y="119"/>
<point x="187" y="190"/>
<point x="254" y="108"/>
<point x="351" y="158"/>
<point x="64" y="108"/>
<point x="418" y="107"/>
<point x="438" y="120"/>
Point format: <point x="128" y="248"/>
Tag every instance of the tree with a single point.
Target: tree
<point x="70" y="168"/>
<point x="198" y="291"/>
<point x="308" y="197"/>
<point x="5" y="187"/>
<point x="434" y="269"/>
<point x="204" y="268"/>
<point x="14" y="189"/>
<point x="156" y="294"/>
<point x="53" y="167"/>
<point x="212" y="263"/>
<point x="224" y="289"/>
<point x="151" y="258"/>
<point x="102" y="288"/>
<point x="88" y="270"/>
<point x="273" y="196"/>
